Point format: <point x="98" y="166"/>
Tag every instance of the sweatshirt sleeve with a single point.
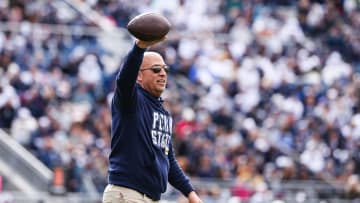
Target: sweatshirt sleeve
<point x="177" y="177"/>
<point x="126" y="78"/>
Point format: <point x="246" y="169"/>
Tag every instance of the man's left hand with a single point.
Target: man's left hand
<point x="194" y="198"/>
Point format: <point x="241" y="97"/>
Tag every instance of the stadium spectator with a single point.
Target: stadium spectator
<point x="271" y="83"/>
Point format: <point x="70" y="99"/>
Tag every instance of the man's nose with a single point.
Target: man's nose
<point x="163" y="72"/>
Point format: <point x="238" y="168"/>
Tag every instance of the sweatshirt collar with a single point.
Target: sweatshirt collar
<point x="150" y="96"/>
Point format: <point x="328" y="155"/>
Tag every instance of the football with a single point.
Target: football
<point x="149" y="26"/>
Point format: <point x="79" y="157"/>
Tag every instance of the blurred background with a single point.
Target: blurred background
<point x="265" y="97"/>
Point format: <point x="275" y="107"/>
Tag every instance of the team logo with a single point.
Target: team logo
<point x="161" y="131"/>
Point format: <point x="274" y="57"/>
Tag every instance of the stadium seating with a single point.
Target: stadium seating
<point x="264" y="95"/>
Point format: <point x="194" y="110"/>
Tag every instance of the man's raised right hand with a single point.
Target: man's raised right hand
<point x="146" y="44"/>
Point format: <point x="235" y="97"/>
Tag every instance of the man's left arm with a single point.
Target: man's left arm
<point x="179" y="180"/>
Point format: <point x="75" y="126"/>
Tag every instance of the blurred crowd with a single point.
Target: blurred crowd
<point x="259" y="90"/>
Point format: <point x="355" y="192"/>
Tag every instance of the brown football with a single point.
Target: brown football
<point x="149" y="26"/>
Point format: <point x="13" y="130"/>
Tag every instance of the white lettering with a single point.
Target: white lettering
<point x="155" y="119"/>
<point x="166" y="124"/>
<point x="168" y="140"/>
<point x="170" y="125"/>
<point x="161" y="122"/>
<point x="161" y="130"/>
<point x="163" y="141"/>
<point x="159" y="138"/>
<point x="154" y="137"/>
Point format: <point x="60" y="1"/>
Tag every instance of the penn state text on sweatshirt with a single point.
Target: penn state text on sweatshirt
<point x="142" y="156"/>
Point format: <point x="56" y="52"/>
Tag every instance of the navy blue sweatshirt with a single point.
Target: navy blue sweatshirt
<point x="142" y="156"/>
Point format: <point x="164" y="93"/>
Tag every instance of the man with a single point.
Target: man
<point x="142" y="160"/>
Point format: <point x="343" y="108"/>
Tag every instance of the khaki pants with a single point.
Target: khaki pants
<point x="118" y="194"/>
